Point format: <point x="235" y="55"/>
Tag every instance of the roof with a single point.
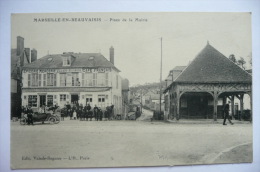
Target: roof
<point x="175" y="72"/>
<point x="210" y="66"/>
<point x="249" y="71"/>
<point x="179" y="68"/>
<point x="79" y="60"/>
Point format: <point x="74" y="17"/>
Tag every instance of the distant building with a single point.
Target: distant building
<point x="205" y="85"/>
<point x="19" y="57"/>
<point x="174" y="73"/>
<point x="125" y="96"/>
<point x="86" y="78"/>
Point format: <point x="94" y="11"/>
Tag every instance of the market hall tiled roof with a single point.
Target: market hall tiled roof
<point x="211" y="66"/>
<point x="78" y="60"/>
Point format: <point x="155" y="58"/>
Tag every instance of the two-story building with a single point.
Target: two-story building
<point x="19" y="57"/>
<point x="70" y="78"/>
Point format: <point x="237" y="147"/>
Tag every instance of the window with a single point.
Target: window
<point x="32" y="100"/>
<point x="94" y="79"/>
<point x="75" y="79"/>
<point x="51" y="79"/>
<point x="49" y="100"/>
<point x="89" y="79"/>
<point x="116" y="81"/>
<point x="66" y="61"/>
<point x="44" y="80"/>
<point x="29" y="80"/>
<point x="34" y="79"/>
<point x="62" y="97"/>
<point x="101" y="100"/>
<point x="40" y="80"/>
<point x="101" y="79"/>
<point x="83" y="79"/>
<point x="68" y="79"/>
<point x="106" y="79"/>
<point x="63" y="79"/>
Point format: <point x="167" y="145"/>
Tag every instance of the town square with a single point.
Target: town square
<point x="131" y="90"/>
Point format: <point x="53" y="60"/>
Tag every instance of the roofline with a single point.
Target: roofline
<point x="213" y="82"/>
<point x="190" y="63"/>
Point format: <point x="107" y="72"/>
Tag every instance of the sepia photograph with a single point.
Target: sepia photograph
<point x="130" y="89"/>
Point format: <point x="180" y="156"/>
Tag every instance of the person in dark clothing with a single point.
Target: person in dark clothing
<point x="30" y="116"/>
<point x="77" y="104"/>
<point x="100" y="114"/>
<point x="227" y="113"/>
<point x="80" y="112"/>
<point x="96" y="112"/>
<point x="88" y="112"/>
<point x="84" y="112"/>
<point x="68" y="108"/>
<point x="112" y="111"/>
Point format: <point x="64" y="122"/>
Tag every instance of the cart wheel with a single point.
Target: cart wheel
<point x="57" y="120"/>
<point x="23" y="121"/>
<point x="52" y="120"/>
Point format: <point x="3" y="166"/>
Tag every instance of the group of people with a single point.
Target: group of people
<point x="77" y="111"/>
<point x="27" y="113"/>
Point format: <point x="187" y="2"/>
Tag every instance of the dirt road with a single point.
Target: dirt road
<point x="124" y="143"/>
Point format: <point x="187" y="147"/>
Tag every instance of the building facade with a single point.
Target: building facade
<point x="19" y="57"/>
<point x="84" y="78"/>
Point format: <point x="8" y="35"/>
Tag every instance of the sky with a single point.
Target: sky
<point x="137" y="43"/>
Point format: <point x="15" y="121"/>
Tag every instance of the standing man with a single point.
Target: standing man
<point x="96" y="112"/>
<point x="227" y="113"/>
<point x="88" y="112"/>
<point x="68" y="107"/>
<point x="30" y="115"/>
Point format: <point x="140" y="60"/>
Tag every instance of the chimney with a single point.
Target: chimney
<point x="28" y="55"/>
<point x="112" y="55"/>
<point x="20" y="45"/>
<point x="20" y="49"/>
<point x="33" y="55"/>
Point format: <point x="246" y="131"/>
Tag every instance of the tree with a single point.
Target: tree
<point x="250" y="59"/>
<point x="233" y="58"/>
<point x="241" y="62"/>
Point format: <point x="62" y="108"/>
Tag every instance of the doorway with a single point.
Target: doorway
<point x="197" y="106"/>
<point x="42" y="100"/>
<point x="74" y="98"/>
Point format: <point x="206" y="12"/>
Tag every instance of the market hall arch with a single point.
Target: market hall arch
<point x="240" y="95"/>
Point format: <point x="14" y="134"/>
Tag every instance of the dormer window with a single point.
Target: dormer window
<point x="66" y="61"/>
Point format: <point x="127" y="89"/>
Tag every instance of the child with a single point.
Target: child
<point x="75" y="115"/>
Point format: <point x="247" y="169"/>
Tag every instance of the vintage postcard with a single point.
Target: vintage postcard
<point x="130" y="89"/>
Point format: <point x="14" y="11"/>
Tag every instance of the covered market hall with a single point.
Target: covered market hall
<point x="202" y="88"/>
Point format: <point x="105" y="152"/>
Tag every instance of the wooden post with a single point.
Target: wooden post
<point x="178" y="105"/>
<point x="224" y="103"/>
<point x="215" y="97"/>
<point x="251" y="114"/>
<point x="233" y="105"/>
<point x="241" y="105"/>
<point x="169" y="105"/>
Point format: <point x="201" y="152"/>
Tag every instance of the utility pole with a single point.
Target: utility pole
<point x="161" y="80"/>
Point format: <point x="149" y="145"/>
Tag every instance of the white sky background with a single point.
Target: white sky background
<point x="137" y="44"/>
